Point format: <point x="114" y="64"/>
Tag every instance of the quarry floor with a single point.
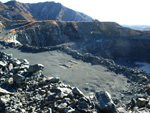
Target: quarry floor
<point x="87" y="77"/>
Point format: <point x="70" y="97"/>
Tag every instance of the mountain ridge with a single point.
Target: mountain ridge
<point x="14" y="10"/>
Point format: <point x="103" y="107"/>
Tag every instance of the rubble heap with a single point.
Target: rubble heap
<point x="23" y="88"/>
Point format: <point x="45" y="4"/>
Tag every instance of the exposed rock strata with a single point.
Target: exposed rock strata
<point x="106" y="39"/>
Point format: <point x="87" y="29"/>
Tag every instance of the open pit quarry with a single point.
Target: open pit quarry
<point x="74" y="67"/>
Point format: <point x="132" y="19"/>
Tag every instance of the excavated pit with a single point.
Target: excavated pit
<point x="69" y="50"/>
<point x="107" y="39"/>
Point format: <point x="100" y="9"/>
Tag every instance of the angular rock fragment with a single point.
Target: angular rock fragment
<point x="121" y="110"/>
<point x="104" y="102"/>
<point x="76" y="91"/>
<point x="62" y="107"/>
<point x="10" y="80"/>
<point x="3" y="63"/>
<point x="19" y="79"/>
<point x="4" y="92"/>
<point x="10" y="67"/>
<point x="53" y="79"/>
<point x="15" y="62"/>
<point x="141" y="102"/>
<point x="35" y="68"/>
<point x="24" y="61"/>
<point x="65" y="90"/>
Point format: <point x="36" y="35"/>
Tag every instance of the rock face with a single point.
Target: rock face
<point x="104" y="102"/>
<point x="127" y="47"/>
<point x="106" y="39"/>
<point x="13" y="10"/>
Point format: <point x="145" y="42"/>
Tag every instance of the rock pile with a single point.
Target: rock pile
<point x="24" y="89"/>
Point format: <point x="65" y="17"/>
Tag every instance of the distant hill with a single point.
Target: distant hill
<point x="138" y="27"/>
<point x="14" y="10"/>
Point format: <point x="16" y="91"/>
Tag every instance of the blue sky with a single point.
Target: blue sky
<point x="120" y="11"/>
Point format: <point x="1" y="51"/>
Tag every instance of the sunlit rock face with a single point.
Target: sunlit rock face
<point x="48" y="33"/>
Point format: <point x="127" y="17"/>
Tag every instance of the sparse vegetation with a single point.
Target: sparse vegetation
<point x="13" y="31"/>
<point x="19" y="11"/>
<point x="75" y="25"/>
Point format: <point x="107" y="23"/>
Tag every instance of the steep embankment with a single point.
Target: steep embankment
<point x="106" y="39"/>
<point x="13" y="10"/>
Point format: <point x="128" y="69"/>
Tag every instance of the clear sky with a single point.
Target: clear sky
<point x="120" y="11"/>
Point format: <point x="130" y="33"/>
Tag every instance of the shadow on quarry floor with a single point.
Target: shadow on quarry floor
<point x="142" y="63"/>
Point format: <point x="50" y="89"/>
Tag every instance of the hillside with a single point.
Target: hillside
<point x="13" y="10"/>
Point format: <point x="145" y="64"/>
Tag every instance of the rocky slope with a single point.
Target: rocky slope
<point x="24" y="88"/>
<point x="106" y="39"/>
<point x="13" y="10"/>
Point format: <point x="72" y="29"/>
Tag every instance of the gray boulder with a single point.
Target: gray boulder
<point x="15" y="62"/>
<point x="76" y="91"/>
<point x="53" y="79"/>
<point x="141" y="102"/>
<point x="35" y="68"/>
<point x="103" y="102"/>
<point x="24" y="61"/>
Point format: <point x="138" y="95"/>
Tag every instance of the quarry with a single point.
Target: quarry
<point x="70" y="64"/>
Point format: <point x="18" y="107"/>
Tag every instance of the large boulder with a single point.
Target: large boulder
<point x="141" y="102"/>
<point x="35" y="68"/>
<point x="103" y="102"/>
